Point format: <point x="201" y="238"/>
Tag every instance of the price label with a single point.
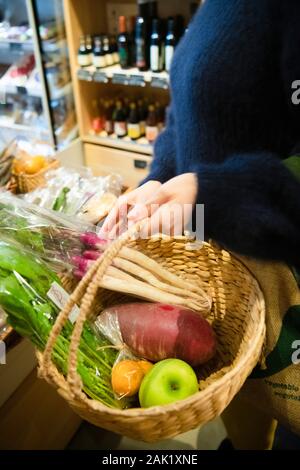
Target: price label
<point x="158" y="82"/>
<point x="85" y="75"/>
<point x="100" y="77"/>
<point x="15" y="46"/>
<point x="120" y="79"/>
<point x="137" y="80"/>
<point x="22" y="90"/>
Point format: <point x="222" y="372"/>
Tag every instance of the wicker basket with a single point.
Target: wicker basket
<point x="238" y="318"/>
<point x="26" y="183"/>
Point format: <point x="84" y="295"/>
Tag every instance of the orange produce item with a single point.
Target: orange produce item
<point x="127" y="376"/>
<point x="146" y="366"/>
<point x="34" y="164"/>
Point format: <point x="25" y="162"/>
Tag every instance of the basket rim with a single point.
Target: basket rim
<point x="254" y="351"/>
<point x="41" y="172"/>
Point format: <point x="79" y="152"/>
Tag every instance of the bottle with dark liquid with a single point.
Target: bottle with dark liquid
<point x="83" y="55"/>
<point x="143" y="113"/>
<point x="109" y="124"/>
<point x="152" y="129"/>
<point x="119" y="118"/>
<point x="141" y="42"/>
<point x="99" y="60"/>
<point x="133" y="126"/>
<point x="131" y="41"/>
<point x="155" y="47"/>
<point x="170" y="44"/>
<point x="123" y="44"/>
<point x="114" y="50"/>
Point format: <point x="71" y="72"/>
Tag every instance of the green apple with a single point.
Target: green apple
<point x="168" y="381"/>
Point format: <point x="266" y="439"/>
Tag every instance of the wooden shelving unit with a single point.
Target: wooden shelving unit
<point x="130" y="159"/>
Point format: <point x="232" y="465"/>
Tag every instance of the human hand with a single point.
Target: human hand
<point x="168" y="207"/>
<point x="116" y="221"/>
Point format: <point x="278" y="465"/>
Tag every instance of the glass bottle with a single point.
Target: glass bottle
<point x="119" y="118"/>
<point x="133" y="126"/>
<point x="89" y="47"/>
<point x="152" y="130"/>
<point x="123" y="44"/>
<point x="141" y="43"/>
<point x="83" y="56"/>
<point x="155" y="47"/>
<point x="99" y="60"/>
<point x="170" y="44"/>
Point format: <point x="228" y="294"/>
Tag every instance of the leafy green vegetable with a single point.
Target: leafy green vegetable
<point x="61" y="201"/>
<point x="24" y="283"/>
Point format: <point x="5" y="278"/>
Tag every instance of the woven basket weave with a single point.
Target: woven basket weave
<point x="238" y="318"/>
<point x="26" y="183"/>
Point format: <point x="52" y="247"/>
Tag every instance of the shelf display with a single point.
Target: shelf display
<point x="146" y="34"/>
<point x="34" y="73"/>
<point x="137" y="121"/>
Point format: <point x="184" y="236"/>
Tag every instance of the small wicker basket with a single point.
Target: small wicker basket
<point x="238" y="318"/>
<point x="26" y="183"/>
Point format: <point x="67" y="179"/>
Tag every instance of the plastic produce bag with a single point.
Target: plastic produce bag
<point x="107" y="324"/>
<point x="77" y="192"/>
<point x="54" y="237"/>
<point x="27" y="294"/>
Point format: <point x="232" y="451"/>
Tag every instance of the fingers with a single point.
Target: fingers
<point x="118" y="211"/>
<point x="169" y="219"/>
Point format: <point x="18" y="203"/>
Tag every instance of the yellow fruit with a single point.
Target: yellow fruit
<point x="146" y="366"/>
<point x="126" y="378"/>
<point x="34" y="164"/>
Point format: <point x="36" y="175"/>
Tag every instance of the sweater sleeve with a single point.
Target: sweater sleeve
<point x="164" y="161"/>
<point x="252" y="206"/>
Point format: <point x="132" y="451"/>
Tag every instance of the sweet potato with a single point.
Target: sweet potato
<point x="158" y="331"/>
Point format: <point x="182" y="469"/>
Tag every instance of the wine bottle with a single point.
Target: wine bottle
<point x="131" y="40"/>
<point x="170" y="44"/>
<point x="152" y="130"/>
<point x="109" y="124"/>
<point x="143" y="112"/>
<point x="155" y="47"/>
<point x="89" y="47"/>
<point x="123" y="44"/>
<point x="99" y="60"/>
<point x="107" y="50"/>
<point x="83" y="56"/>
<point x="133" y="125"/>
<point x="119" y="118"/>
<point x="141" y="41"/>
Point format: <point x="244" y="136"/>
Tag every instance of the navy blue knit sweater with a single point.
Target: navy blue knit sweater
<point x="232" y="121"/>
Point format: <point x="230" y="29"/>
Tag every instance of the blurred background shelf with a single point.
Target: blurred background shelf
<point x="116" y="75"/>
<point x="141" y="146"/>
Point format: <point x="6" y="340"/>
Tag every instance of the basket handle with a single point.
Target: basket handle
<point x="86" y="292"/>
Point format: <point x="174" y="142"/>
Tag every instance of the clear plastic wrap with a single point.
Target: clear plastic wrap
<point x="54" y="237"/>
<point x="27" y="287"/>
<point x="129" y="369"/>
<point x="77" y="192"/>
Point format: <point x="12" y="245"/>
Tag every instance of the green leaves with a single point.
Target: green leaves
<point x="24" y="283"/>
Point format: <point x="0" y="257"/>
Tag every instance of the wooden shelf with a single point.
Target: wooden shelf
<point x="130" y="77"/>
<point x="121" y="144"/>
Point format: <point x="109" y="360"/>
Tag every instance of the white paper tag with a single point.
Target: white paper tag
<point x="60" y="297"/>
